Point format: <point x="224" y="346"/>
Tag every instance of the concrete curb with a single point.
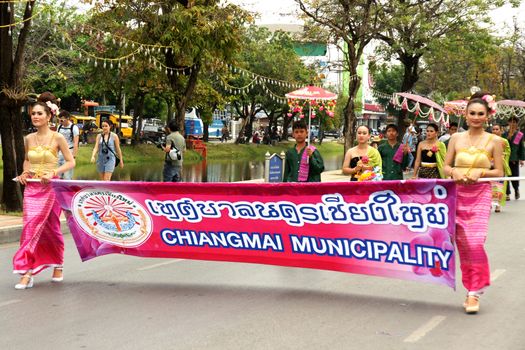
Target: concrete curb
<point x="12" y="234"/>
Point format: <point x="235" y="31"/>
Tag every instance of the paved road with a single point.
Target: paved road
<point x="120" y="302"/>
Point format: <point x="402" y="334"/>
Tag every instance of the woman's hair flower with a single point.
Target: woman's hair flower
<point x="491" y="103"/>
<point x="53" y="107"/>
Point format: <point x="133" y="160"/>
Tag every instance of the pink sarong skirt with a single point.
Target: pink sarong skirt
<point x="472" y="218"/>
<point x="41" y="242"/>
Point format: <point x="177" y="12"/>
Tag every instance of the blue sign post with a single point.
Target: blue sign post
<point x="274" y="167"/>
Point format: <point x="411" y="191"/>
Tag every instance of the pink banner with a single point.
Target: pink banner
<point x="393" y="228"/>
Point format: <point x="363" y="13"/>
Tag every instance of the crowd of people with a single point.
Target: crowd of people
<point x="464" y="157"/>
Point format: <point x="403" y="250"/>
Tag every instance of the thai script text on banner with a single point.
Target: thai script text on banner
<point x="392" y="229"/>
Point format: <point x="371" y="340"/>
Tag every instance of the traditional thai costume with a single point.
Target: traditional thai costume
<point x="499" y="187"/>
<point x="41" y="242"/>
<point x="299" y="167"/>
<point x="432" y="161"/>
<point x="472" y="217"/>
<point x="392" y="166"/>
<point x="373" y="160"/>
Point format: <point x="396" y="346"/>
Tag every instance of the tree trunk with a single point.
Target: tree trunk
<point x="349" y="111"/>
<point x="182" y="91"/>
<point x="245" y="129"/>
<point x="13" y="155"/>
<point x="411" y="76"/>
<point x="12" y="98"/>
<point x="286" y="124"/>
<point x="137" y="117"/>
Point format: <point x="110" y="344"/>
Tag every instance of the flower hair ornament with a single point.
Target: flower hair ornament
<point x="53" y="107"/>
<point x="491" y="102"/>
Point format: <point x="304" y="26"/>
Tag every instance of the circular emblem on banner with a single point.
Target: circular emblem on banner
<point x="112" y="217"/>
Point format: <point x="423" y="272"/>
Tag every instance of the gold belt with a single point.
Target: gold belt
<point x="429" y="165"/>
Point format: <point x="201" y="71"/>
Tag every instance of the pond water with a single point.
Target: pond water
<point x="206" y="171"/>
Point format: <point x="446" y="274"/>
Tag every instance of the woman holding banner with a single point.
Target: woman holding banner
<point x="363" y="162"/>
<point x="41" y="242"/>
<point x="468" y="159"/>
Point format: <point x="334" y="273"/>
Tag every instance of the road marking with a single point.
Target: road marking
<point x="159" y="265"/>
<point x="10" y="302"/>
<point x="497" y="273"/>
<point x="424" y="329"/>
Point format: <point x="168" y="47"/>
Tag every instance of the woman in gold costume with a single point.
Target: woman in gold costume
<point x="41" y="242"/>
<point x="469" y="157"/>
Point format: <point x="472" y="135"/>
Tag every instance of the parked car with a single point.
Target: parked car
<point x="335" y="133"/>
<point x="152" y="130"/>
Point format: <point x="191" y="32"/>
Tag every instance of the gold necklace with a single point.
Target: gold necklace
<point x="38" y="142"/>
<point x="470" y="141"/>
<point x="430" y="152"/>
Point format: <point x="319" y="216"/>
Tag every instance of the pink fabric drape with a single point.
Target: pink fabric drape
<point x="472" y="217"/>
<point x="304" y="166"/>
<point x="41" y="243"/>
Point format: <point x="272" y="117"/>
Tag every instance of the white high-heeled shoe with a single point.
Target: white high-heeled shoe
<point x="27" y="285"/>
<point x="58" y="279"/>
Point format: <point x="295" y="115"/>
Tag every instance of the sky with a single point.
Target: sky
<point x="285" y="11"/>
<point x="272" y="11"/>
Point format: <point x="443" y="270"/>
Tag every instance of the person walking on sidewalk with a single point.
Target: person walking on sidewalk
<point x="107" y="146"/>
<point x="517" y="154"/>
<point x="41" y="242"/>
<point x="71" y="133"/>
<point x="468" y="159"/>
<point x="303" y="162"/>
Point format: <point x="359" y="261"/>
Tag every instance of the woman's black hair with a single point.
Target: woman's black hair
<point x="434" y="126"/>
<point x="45" y="106"/>
<point x="477" y="97"/>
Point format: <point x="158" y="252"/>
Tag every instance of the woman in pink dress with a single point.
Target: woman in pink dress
<point x="41" y="243"/>
<point x="472" y="155"/>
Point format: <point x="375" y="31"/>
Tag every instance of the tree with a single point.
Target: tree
<point x="268" y="68"/>
<point x="351" y="24"/>
<point x="413" y="26"/>
<point x="14" y="32"/>
<point x="180" y="40"/>
<point x="460" y="60"/>
<point x="387" y="79"/>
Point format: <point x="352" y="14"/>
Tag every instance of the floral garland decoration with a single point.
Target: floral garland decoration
<point x="300" y="107"/>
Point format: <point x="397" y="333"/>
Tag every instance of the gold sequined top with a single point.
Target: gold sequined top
<point x="473" y="158"/>
<point x="43" y="159"/>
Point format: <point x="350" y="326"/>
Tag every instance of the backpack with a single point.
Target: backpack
<point x="70" y="130"/>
